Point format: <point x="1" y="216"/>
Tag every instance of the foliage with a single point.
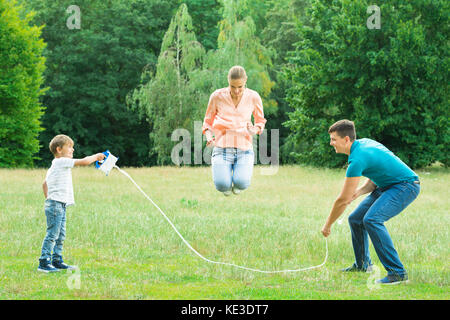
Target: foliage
<point x="173" y="98"/>
<point x="310" y="67"/>
<point x="21" y="78"/>
<point x="186" y="76"/>
<point x="392" y="81"/>
<point x="280" y="34"/>
<point x="280" y="31"/>
<point x="205" y="16"/>
<point x="238" y="44"/>
<point x="90" y="71"/>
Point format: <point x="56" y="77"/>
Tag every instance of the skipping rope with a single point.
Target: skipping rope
<point x="218" y="262"/>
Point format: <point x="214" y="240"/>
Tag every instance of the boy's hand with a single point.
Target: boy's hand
<point x="45" y="189"/>
<point x="100" y="156"/>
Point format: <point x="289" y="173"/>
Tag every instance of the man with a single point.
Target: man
<point x="392" y="186"/>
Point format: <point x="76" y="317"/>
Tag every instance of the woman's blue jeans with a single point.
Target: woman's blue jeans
<point x="368" y="221"/>
<point x="52" y="245"/>
<point x="231" y="167"/>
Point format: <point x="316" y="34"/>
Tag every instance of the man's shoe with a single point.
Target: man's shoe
<point x="60" y="265"/>
<point x="354" y="268"/>
<point x="227" y="193"/>
<point x="47" y="268"/>
<point x="393" y="279"/>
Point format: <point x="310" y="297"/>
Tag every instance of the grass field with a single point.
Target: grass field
<point x="125" y="249"/>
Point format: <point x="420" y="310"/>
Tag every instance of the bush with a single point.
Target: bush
<point x="392" y="81"/>
<point x="22" y="66"/>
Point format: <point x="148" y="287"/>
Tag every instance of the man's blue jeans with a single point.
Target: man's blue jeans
<point x="55" y="212"/>
<point x="368" y="221"/>
<point x="232" y="167"/>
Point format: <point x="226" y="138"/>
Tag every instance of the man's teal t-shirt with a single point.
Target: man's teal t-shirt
<point x="373" y="160"/>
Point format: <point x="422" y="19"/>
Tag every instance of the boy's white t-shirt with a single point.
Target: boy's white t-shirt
<point x="59" y="181"/>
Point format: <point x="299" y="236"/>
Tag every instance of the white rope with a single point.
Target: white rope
<point x="217" y="262"/>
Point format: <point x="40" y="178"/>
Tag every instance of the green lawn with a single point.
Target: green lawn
<point x="125" y="249"/>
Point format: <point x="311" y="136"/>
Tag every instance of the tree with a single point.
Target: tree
<point x="21" y="78"/>
<point x="238" y="44"/>
<point x="177" y="94"/>
<point x="174" y="97"/>
<point x="91" y="70"/>
<point x="281" y="34"/>
<point x="205" y="16"/>
<point x="392" y="81"/>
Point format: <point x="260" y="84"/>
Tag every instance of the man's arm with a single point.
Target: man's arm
<point x="90" y="159"/>
<point x="367" y="187"/>
<point x="343" y="200"/>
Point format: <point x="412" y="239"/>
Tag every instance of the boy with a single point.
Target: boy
<point x="58" y="192"/>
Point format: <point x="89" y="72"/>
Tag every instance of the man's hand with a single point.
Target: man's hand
<point x="326" y="230"/>
<point x="357" y="194"/>
<point x="367" y="187"/>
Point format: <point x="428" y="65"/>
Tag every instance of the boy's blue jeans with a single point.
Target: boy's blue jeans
<point x="232" y="166"/>
<point x="55" y="212"/>
<point x="368" y="221"/>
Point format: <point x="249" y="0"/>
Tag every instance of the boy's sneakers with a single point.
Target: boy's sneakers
<point x="46" y="267"/>
<point x="354" y="268"/>
<point x="393" y="279"/>
<point x="60" y="265"/>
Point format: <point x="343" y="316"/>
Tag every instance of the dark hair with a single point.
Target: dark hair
<point x="344" y="128"/>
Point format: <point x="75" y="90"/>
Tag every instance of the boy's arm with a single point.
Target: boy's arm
<point x="88" y="160"/>
<point x="45" y="189"/>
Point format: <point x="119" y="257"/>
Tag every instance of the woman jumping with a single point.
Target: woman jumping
<point x="228" y="128"/>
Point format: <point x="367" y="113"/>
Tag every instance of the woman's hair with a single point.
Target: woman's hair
<point x="59" y="141"/>
<point x="236" y="72"/>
